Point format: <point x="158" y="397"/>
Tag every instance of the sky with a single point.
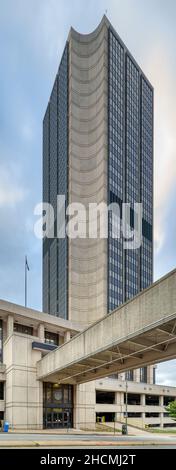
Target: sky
<point x="32" y="38"/>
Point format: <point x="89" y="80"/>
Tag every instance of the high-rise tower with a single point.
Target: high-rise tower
<point x="97" y="147"/>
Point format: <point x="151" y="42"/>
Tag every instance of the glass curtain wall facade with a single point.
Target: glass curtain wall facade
<point x="130" y="170"/>
<point x="115" y="170"/>
<point x="55" y="160"/>
<point x="129" y="176"/>
<point x="1" y="339"/>
<point x="146" y="187"/>
<point x="143" y="374"/>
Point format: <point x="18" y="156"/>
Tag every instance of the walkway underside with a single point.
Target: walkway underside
<point x="140" y="332"/>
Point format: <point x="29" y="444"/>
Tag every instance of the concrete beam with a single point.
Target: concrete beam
<point x="148" y="318"/>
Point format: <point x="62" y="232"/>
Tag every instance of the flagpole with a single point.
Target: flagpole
<point x="25" y="281"/>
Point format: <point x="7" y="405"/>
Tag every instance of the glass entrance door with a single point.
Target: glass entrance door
<point x="48" y="419"/>
<point x="67" y="419"/>
<point x="56" y="418"/>
<point x="57" y="405"/>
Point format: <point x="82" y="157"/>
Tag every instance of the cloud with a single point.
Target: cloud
<point x="42" y="31"/>
<point x="165" y="138"/>
<point x="27" y="131"/>
<point x="11" y="193"/>
<point x="32" y="38"/>
<point x="155" y="53"/>
<point x="166" y="373"/>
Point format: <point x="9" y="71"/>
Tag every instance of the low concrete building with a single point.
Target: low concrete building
<point x="146" y="402"/>
<point x="29" y="403"/>
<point x="26" y="335"/>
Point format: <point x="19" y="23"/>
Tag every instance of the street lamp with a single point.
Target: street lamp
<point x="126" y="407"/>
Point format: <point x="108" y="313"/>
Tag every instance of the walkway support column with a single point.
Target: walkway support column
<point x="41" y="332"/>
<point x="10" y="324"/>
<point x="84" y="406"/>
<point x="67" y="336"/>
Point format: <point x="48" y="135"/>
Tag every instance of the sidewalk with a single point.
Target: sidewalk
<point x="63" y="431"/>
<point x="80" y="443"/>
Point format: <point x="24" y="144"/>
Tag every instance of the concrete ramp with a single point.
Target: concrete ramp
<point x="140" y="332"/>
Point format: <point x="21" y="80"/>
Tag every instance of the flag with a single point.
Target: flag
<point x="27" y="266"/>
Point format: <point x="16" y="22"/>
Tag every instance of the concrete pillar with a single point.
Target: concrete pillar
<point x="84" y="406"/>
<point x="134" y="375"/>
<point x="137" y="375"/>
<point x="161" y="415"/>
<point x="150" y="374"/>
<point x="61" y="340"/>
<point x="41" y="332"/>
<point x="161" y="420"/>
<point x="66" y="336"/>
<point x="10" y="323"/>
<point x="143" y="412"/>
<point x="24" y="392"/>
<point x="143" y="419"/>
<point x="119" y="397"/>
<point x="142" y="399"/>
<point x="161" y="400"/>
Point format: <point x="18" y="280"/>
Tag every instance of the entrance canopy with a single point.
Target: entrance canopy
<point x="140" y="332"/>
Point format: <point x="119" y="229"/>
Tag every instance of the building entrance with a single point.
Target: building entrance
<point x="57" y="406"/>
<point x="58" y="418"/>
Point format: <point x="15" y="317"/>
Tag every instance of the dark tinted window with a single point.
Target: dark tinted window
<point x="1" y="390"/>
<point x="143" y="374"/>
<point x="27" y="330"/>
<point x="129" y="375"/>
<point x="51" y="338"/>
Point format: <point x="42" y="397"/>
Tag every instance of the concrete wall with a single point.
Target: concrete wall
<point x="2" y="405"/>
<point x="119" y="407"/>
<point x="84" y="406"/>
<point x="88" y="168"/>
<point x="2" y="372"/>
<point x="23" y="401"/>
<point x="24" y="393"/>
<point x="133" y="387"/>
<point x="145" y="313"/>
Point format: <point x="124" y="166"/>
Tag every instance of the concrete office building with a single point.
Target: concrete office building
<point x="29" y="403"/>
<point x="97" y="147"/>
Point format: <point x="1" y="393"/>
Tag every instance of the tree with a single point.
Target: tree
<point x="171" y="408"/>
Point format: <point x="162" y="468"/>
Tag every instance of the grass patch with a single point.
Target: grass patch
<point x="162" y="431"/>
<point x="102" y="428"/>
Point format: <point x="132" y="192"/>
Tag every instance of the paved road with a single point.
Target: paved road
<point x="122" y="447"/>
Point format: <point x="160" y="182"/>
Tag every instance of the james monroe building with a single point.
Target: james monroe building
<point x="97" y="148"/>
